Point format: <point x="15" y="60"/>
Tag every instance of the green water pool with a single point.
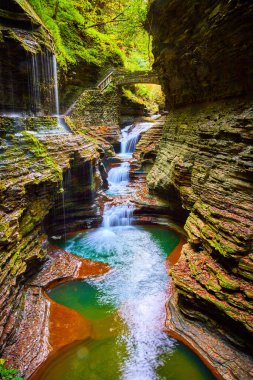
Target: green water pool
<point x="126" y="309"/>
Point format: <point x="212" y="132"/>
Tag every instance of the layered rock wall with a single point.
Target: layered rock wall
<point x="26" y="61"/>
<point x="33" y="168"/>
<point x="203" y="49"/>
<point x="203" y="52"/>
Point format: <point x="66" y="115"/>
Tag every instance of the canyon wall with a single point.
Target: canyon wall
<point x="26" y="61"/>
<point x="203" y="53"/>
<point x="48" y="179"/>
<point x="36" y="178"/>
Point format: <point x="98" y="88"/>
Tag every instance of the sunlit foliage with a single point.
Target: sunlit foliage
<point x="101" y="32"/>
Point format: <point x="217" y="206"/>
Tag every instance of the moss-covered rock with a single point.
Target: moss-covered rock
<point x="205" y="154"/>
<point x="33" y="174"/>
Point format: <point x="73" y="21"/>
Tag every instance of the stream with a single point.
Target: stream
<point x="126" y="306"/>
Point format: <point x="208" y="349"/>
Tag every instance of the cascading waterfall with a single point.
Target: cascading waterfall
<point x="134" y="345"/>
<point x="56" y="90"/>
<point x="118" y="177"/>
<point x="130" y="137"/>
<point x="117" y="215"/>
<point x="43" y="85"/>
<point x="119" y="174"/>
<point x="35" y="92"/>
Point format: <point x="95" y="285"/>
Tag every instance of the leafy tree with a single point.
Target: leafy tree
<point x="102" y="32"/>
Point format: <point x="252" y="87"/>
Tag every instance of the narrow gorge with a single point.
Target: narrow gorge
<point x="126" y="190"/>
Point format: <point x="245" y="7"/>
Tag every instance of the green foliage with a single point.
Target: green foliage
<point x="150" y="95"/>
<point x="8" y="374"/>
<point x="131" y="36"/>
<point x="99" y="32"/>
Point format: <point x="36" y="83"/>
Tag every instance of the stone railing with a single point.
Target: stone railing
<point x="105" y="81"/>
<point x="124" y="77"/>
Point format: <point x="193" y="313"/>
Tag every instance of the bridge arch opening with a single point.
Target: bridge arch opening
<point x="141" y="100"/>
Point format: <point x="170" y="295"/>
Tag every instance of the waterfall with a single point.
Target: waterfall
<point x="124" y="139"/>
<point x="43" y="85"/>
<point x="119" y="174"/>
<point x="118" y="178"/>
<point x="117" y="215"/>
<point x="56" y="90"/>
<point x="131" y="136"/>
<point x="35" y="93"/>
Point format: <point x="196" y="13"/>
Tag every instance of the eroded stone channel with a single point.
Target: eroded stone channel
<point x="126" y="306"/>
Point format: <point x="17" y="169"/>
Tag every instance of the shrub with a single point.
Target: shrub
<point x="8" y="373"/>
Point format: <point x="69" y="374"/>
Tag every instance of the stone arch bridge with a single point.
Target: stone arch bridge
<point x="124" y="77"/>
<point x="99" y="110"/>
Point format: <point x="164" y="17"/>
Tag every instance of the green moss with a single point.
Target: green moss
<point x="5" y="232"/>
<point x="227" y="282"/>
<point x="40" y="152"/>
<point x="31" y="48"/>
<point x="215" y="11"/>
<point x="78" y="38"/>
<point x="32" y="217"/>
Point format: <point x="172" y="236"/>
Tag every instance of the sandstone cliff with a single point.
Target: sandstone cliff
<point x="203" y="52"/>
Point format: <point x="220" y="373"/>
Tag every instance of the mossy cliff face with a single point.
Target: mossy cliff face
<point x="98" y="112"/>
<point x="32" y="177"/>
<point x="26" y="51"/>
<point x="204" y="52"/>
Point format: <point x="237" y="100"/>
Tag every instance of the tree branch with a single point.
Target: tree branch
<point x="114" y="19"/>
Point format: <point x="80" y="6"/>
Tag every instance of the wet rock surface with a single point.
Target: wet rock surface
<point x="32" y="179"/>
<point x="205" y="161"/>
<point x="147" y="148"/>
<point x="209" y="341"/>
<point x="42" y="328"/>
<point x="99" y="112"/>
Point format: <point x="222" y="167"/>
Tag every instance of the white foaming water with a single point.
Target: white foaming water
<point x="56" y="91"/>
<point x="137" y="286"/>
<point x="130" y="137"/>
<point x="118" y="179"/>
<point x="119" y="174"/>
<point x="118" y="215"/>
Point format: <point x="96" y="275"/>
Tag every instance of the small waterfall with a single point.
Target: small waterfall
<point x="119" y="174"/>
<point x="131" y="136"/>
<point x="43" y="84"/>
<point x="118" y="179"/>
<point x="118" y="215"/>
<point x="124" y="139"/>
<point x="35" y="90"/>
<point x="56" y="90"/>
